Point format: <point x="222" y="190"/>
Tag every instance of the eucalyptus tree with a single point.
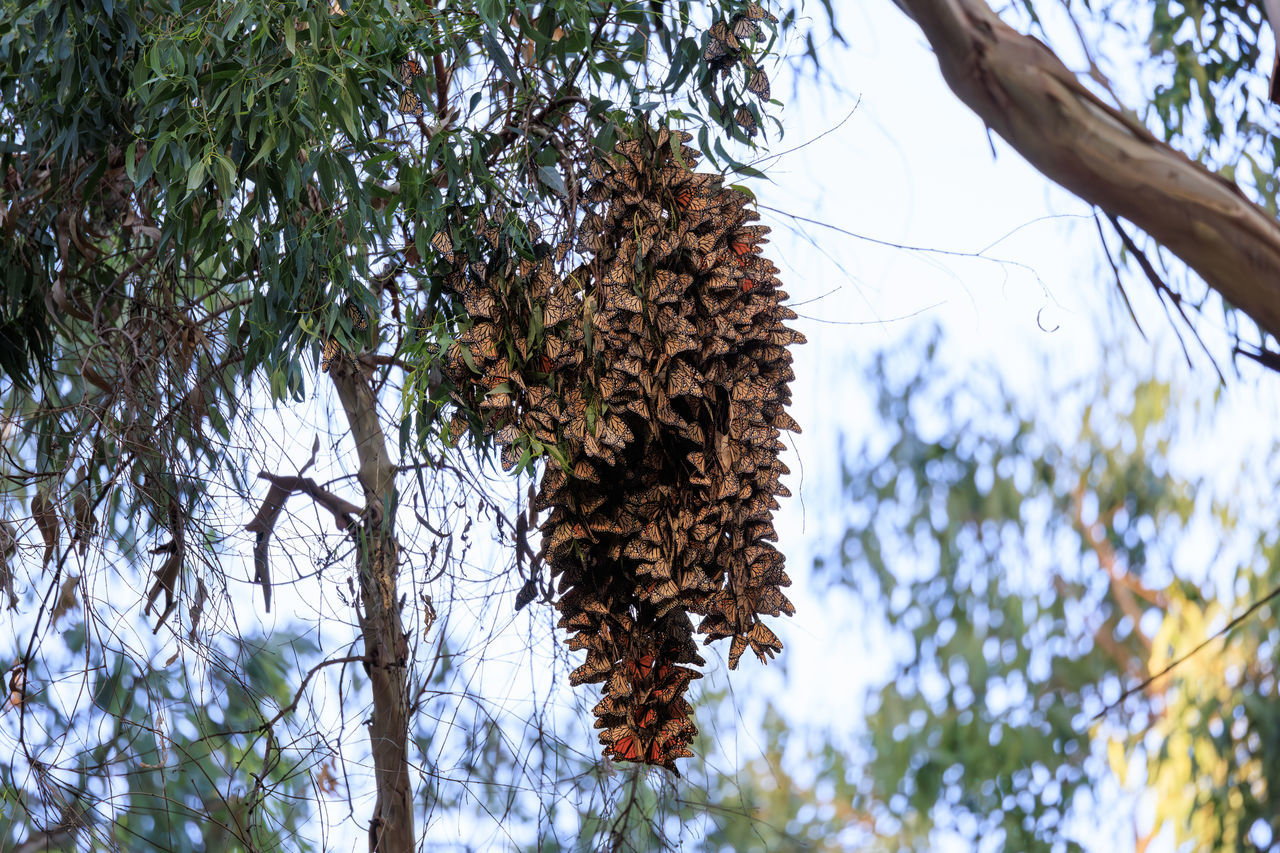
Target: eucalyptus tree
<point x="203" y="203"/>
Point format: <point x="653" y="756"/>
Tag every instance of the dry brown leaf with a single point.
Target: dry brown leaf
<point x="66" y="598"/>
<point x="46" y="517"/>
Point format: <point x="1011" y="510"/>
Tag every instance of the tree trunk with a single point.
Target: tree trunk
<point x="386" y="646"/>
<point x="1024" y="93"/>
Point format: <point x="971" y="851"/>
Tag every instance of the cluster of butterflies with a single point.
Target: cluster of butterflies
<point x="495" y="375"/>
<point x="724" y="49"/>
<point x="658" y="370"/>
<point x="597" y="414"/>
<point x="333" y="351"/>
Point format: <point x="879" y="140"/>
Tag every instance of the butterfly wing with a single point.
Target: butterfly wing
<point x="758" y="83"/>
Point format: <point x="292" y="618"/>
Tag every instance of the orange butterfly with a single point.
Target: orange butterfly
<point x="411" y="104"/>
<point x="627" y="748"/>
<point x="408" y="69"/>
<point x="758" y="83"/>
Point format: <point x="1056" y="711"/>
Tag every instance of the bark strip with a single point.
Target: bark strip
<point x="1023" y="92"/>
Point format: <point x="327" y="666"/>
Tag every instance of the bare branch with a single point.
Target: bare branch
<point x="265" y="521"/>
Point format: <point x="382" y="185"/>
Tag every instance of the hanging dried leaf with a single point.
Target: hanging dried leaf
<point x="46" y="517"/>
<point x="8" y="548"/>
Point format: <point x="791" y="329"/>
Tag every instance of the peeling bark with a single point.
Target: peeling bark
<point x="386" y="646"/>
<point x="1024" y="93"/>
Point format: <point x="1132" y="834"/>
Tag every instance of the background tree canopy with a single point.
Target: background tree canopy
<point x="225" y="223"/>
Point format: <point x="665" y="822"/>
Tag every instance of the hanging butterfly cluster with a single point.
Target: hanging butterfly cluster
<point x="332" y="349"/>
<point x="725" y="49"/>
<point x="501" y="365"/>
<point x="667" y="372"/>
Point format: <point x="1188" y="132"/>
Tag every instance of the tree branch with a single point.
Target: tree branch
<point x="1024" y="93"/>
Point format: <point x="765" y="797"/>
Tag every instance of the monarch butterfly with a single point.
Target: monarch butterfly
<point x="641" y="666"/>
<point x="510" y="456"/>
<point x="763" y="641"/>
<point x="480" y="303"/>
<point x="661" y="590"/>
<point x="693" y="198"/>
<point x="608" y="525"/>
<point x="618" y="687"/>
<point x="508" y="434"/>
<point x="673" y="345"/>
<point x="628" y="148"/>
<point x="593" y="670"/>
<point x="683" y="381"/>
<point x="746" y="121"/>
<point x="666" y="414"/>
<point x="700" y="244"/>
<point x="745" y="28"/>
<point x="618" y="299"/>
<point x="627" y="748"/>
<point x="618" y="274"/>
<point x="444" y="244"/>
<point x="648" y="718"/>
<point x="663" y="248"/>
<point x="629" y="177"/>
<point x="785" y="337"/>
<point x="635" y="158"/>
<point x="758" y="83"/>
<point x="409" y="69"/>
<point x="756" y="12"/>
<point x="355" y="313"/>
<point x="784" y="421"/>
<point x="594" y="447"/>
<point x="331" y="350"/>
<point x="629" y="366"/>
<point x="485" y="338"/>
<point x="613" y="431"/>
<point x="575" y="407"/>
<point x="591" y="604"/>
<point x="544" y="277"/>
<point x="599" y="169"/>
<point x="722" y="47"/>
<point x="663" y="287"/>
<point x="773" y="602"/>
<point x="411" y="104"/>
<point x="675" y="684"/>
<point x="741" y="247"/>
<point x="560" y="307"/>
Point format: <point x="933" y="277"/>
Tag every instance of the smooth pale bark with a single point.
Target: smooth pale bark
<point x="386" y="646"/>
<point x="1273" y="17"/>
<point x="1024" y="93"/>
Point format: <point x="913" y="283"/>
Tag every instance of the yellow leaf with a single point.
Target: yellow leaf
<point x="1116" y="758"/>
